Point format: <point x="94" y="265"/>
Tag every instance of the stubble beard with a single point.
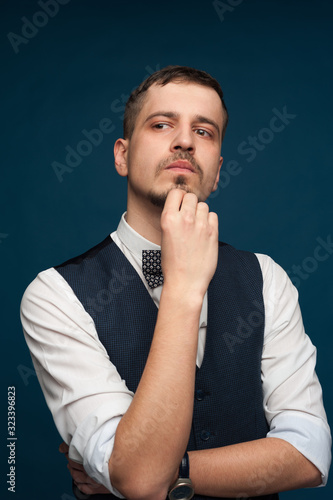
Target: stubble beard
<point x="180" y="182"/>
<point x="158" y="199"/>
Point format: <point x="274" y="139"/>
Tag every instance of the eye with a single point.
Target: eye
<point x="203" y="133"/>
<point x="160" y="126"/>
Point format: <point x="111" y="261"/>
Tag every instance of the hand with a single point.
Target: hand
<point x="189" y="242"/>
<point x="80" y="477"/>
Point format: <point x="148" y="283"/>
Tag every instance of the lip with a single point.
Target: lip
<point x="182" y="166"/>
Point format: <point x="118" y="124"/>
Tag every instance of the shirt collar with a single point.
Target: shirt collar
<point x="132" y="240"/>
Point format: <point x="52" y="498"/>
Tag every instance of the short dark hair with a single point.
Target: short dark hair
<point x="162" y="77"/>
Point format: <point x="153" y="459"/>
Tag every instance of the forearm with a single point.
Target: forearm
<point x="253" y="468"/>
<point x="152" y="436"/>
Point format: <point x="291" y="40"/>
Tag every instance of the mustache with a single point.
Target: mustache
<point x="180" y="155"/>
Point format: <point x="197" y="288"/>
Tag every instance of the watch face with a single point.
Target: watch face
<point x="182" y="492"/>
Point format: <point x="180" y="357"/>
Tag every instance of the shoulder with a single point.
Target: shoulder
<point x="87" y="255"/>
<point x="45" y="283"/>
<point x="270" y="270"/>
<point x="235" y="260"/>
<point x="257" y="266"/>
<point x="273" y="274"/>
<point x="48" y="289"/>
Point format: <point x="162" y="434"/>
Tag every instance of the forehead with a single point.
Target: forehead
<point x="186" y="98"/>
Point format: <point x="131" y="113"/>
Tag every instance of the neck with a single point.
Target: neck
<point x="145" y="219"/>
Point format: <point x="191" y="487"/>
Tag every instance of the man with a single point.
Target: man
<point x="222" y="369"/>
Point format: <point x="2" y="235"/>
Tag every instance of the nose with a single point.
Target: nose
<point x="183" y="140"/>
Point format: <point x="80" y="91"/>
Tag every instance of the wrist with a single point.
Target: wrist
<point x="183" y="296"/>
<point x="182" y="488"/>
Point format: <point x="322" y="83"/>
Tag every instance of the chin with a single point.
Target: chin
<point x="158" y="199"/>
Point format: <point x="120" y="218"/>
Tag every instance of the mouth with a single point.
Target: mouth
<point x="181" y="166"/>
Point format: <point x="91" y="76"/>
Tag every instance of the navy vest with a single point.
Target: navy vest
<point x="228" y="402"/>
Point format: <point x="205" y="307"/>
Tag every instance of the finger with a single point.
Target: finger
<point x="190" y="203"/>
<point x="92" y="486"/>
<point x="85" y="482"/>
<point x="202" y="209"/>
<point x="213" y="220"/>
<point x="92" y="489"/>
<point x="82" y="478"/>
<point x="63" y="448"/>
<point x="75" y="466"/>
<point x="174" y="199"/>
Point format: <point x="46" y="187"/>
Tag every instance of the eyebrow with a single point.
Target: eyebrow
<point x="203" y="119"/>
<point x="171" y="114"/>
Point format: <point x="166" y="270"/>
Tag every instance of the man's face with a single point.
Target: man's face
<point x="176" y="142"/>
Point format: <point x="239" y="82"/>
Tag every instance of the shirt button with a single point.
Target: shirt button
<point x="204" y="435"/>
<point x="199" y="395"/>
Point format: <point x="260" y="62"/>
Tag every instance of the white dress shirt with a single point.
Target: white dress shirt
<point x="87" y="396"/>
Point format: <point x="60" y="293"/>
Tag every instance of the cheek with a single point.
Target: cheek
<point x="144" y="149"/>
<point x="147" y="157"/>
<point x="212" y="177"/>
<point x="140" y="165"/>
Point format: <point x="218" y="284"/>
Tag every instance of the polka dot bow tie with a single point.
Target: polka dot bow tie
<point x="151" y="267"/>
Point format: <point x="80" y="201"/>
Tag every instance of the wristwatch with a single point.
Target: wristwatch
<point x="182" y="489"/>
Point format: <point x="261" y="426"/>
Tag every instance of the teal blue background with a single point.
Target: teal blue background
<point x="79" y="69"/>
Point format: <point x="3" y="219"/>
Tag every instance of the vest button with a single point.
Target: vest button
<point x="199" y="395"/>
<point x="204" y="435"/>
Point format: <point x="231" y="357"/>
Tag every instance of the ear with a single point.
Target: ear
<point x="216" y="183"/>
<point x="120" y="156"/>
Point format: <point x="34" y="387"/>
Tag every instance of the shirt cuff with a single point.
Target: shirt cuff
<point x="308" y="434"/>
<point x="92" y="443"/>
<point x="97" y="455"/>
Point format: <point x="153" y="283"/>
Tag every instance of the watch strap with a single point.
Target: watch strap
<point x="184" y="468"/>
<point x="182" y="489"/>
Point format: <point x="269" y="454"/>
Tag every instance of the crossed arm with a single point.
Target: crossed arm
<point x="248" y="469"/>
<point x="189" y="250"/>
